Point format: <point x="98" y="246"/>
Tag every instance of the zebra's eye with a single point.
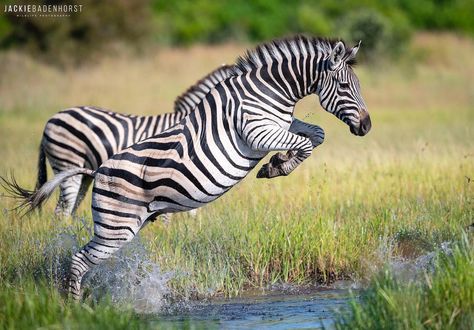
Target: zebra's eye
<point x="344" y="84"/>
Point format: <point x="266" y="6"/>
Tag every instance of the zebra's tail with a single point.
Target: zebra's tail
<point x="42" y="173"/>
<point x="31" y="200"/>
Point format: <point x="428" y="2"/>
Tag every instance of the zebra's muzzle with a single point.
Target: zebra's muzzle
<point x="365" y="124"/>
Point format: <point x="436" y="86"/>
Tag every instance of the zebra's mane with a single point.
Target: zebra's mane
<point x="203" y="86"/>
<point x="279" y="49"/>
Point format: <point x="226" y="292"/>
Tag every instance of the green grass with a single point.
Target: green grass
<point x="348" y="210"/>
<point x="443" y="299"/>
<point x="38" y="305"/>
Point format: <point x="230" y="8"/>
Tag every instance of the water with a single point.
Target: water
<point x="313" y="310"/>
<point x="132" y="279"/>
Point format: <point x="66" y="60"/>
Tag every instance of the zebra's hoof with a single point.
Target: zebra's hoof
<point x="268" y="171"/>
<point x="263" y="172"/>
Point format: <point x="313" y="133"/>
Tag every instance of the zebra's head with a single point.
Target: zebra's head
<point x="339" y="89"/>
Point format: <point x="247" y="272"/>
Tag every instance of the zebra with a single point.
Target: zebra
<point x="240" y="121"/>
<point x="86" y="136"/>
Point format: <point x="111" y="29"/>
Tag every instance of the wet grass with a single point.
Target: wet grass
<point x="443" y="299"/>
<point x="353" y="206"/>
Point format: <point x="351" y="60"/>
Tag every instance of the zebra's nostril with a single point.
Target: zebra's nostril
<point x="365" y="124"/>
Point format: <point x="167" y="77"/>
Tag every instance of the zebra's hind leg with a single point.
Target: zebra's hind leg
<point x="86" y="182"/>
<point x="107" y="240"/>
<point x="68" y="195"/>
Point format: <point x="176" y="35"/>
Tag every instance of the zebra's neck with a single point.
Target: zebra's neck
<point x="282" y="83"/>
<point x="290" y="68"/>
<point x="186" y="102"/>
<point x="291" y="81"/>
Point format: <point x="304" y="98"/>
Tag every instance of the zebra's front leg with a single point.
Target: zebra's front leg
<point x="276" y="138"/>
<point x="281" y="163"/>
<point x="275" y="167"/>
<point x="313" y="132"/>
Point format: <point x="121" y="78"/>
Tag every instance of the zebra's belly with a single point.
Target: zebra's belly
<point x="179" y="193"/>
<point x="163" y="189"/>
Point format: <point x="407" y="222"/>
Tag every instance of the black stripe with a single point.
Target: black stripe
<point x="96" y="129"/>
<point x="149" y="185"/>
<point x="106" y="121"/>
<point x="215" y="133"/>
<point x="191" y="152"/>
<point x="118" y="197"/>
<point x="79" y="135"/>
<point x="117" y="213"/>
<point x="114" y="213"/>
<point x="110" y="239"/>
<point x="64" y="146"/>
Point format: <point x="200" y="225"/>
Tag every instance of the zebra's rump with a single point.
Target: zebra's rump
<point x="86" y="136"/>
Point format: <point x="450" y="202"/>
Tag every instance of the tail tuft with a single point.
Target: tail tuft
<point x="14" y="190"/>
<point x="31" y="200"/>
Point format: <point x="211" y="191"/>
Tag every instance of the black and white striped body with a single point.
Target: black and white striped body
<point x="211" y="150"/>
<point x="239" y="122"/>
<point x="88" y="136"/>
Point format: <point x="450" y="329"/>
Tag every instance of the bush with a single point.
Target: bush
<point x="80" y="35"/>
<point x="379" y="34"/>
<point x="439" y="14"/>
<point x="184" y="22"/>
<point x="313" y="21"/>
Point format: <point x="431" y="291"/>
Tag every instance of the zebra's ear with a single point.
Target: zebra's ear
<point x="351" y="56"/>
<point x="337" y="54"/>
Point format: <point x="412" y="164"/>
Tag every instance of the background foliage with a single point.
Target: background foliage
<point x="384" y="26"/>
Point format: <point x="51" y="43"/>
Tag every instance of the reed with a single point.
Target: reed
<point x="443" y="299"/>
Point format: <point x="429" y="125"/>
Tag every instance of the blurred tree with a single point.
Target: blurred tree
<point x="59" y="39"/>
<point x="378" y="33"/>
<point x="384" y="26"/>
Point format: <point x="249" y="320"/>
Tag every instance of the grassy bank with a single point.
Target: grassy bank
<point x="444" y="299"/>
<point x="351" y="207"/>
<point x="38" y="305"/>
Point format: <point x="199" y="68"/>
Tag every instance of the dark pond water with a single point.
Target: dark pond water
<point x="275" y="311"/>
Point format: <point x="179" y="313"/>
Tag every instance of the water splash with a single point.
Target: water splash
<point x="405" y="268"/>
<point x="129" y="278"/>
